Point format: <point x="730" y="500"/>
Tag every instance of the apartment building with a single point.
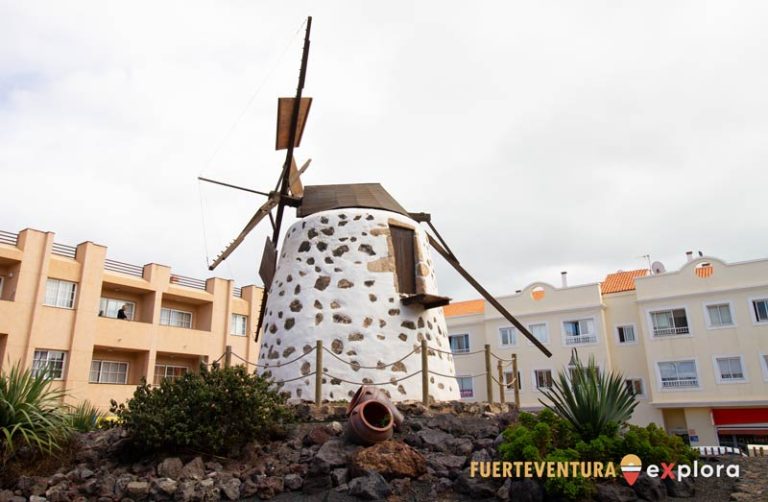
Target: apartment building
<point x="692" y="344"/>
<point x="101" y="325"/>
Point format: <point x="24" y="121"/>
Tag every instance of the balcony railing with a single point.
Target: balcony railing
<point x="459" y="350"/>
<point x="680" y="383"/>
<point x="467" y="393"/>
<point x="580" y="339"/>
<point x="64" y="250"/>
<point x="189" y="282"/>
<point x="124" y="268"/>
<point x="682" y="330"/>
<point x="237" y="292"/>
<point x="9" y="238"/>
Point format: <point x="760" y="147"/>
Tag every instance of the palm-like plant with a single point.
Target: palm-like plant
<point x="30" y="413"/>
<point x="85" y="417"/>
<point x="594" y="402"/>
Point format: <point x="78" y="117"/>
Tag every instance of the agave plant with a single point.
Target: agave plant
<point x="594" y="402"/>
<point x="85" y="417"/>
<point x="30" y="413"/>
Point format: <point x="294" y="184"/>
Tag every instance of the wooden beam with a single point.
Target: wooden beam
<point x="489" y="297"/>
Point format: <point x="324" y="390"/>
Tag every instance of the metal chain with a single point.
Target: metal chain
<point x="379" y="383"/>
<point x="297" y="378"/>
<point x="370" y="367"/>
<point x="456" y="354"/>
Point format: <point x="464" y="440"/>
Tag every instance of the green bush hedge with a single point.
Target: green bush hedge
<point x="213" y="411"/>
<point x="547" y="437"/>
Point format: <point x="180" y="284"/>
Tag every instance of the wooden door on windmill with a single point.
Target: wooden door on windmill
<point x="405" y="263"/>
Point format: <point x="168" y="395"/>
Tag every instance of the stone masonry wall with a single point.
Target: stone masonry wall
<point x="335" y="281"/>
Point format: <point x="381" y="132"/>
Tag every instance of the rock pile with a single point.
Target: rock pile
<point x="427" y="459"/>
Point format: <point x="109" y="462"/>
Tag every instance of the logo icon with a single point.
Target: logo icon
<point x="630" y="468"/>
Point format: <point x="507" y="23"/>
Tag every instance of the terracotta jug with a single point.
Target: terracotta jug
<point x="370" y="422"/>
<point x="371" y="393"/>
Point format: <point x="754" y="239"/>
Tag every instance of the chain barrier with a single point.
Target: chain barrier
<point x="348" y="363"/>
<point x="278" y="365"/>
<point x="373" y="383"/>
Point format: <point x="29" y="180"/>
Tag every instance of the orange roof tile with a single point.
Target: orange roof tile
<point x="468" y="307"/>
<point x="621" y="281"/>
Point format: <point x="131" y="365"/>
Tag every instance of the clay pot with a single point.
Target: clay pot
<point x="370" y="422"/>
<point x="371" y="393"/>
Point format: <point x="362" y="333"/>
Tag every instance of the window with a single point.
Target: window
<point x="110" y="306"/>
<point x="761" y="309"/>
<point x="580" y="331"/>
<point x="459" y="343"/>
<point x="678" y="374"/>
<point x="167" y="372"/>
<point x="509" y="384"/>
<point x="109" y="372"/>
<point x="239" y="325"/>
<point x="1" y="286"/>
<point x="178" y="318"/>
<point x="539" y="331"/>
<point x="508" y="336"/>
<point x="669" y="322"/>
<point x="60" y="293"/>
<point x="635" y="386"/>
<point x="719" y="315"/>
<point x="764" y="361"/>
<point x="405" y="262"/>
<point x="465" y="387"/>
<point x="585" y="371"/>
<point x="543" y="379"/>
<point x="626" y="334"/>
<point x="730" y="369"/>
<point x="51" y="361"/>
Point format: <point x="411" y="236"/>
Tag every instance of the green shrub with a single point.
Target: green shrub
<point x="85" y="417"/>
<point x="575" y="488"/>
<point x="548" y="437"/>
<point x="595" y="402"/>
<point x="30" y="413"/>
<point x="213" y="411"/>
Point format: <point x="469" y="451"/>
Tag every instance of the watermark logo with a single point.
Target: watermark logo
<point x="631" y="465"/>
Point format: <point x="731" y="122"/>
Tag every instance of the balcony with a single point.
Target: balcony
<point x="465" y="393"/>
<point x="580" y="339"/>
<point x="682" y="330"/>
<point x="680" y="383"/>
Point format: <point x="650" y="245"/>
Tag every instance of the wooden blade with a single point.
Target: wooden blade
<point x="295" y="187"/>
<point x="485" y="294"/>
<point x="284" y="112"/>
<point x="261" y="213"/>
<point x="268" y="264"/>
<point x="261" y="313"/>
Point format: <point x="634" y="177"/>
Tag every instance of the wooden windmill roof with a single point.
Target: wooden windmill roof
<point x="369" y="195"/>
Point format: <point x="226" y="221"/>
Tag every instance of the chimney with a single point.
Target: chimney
<point x="564" y="277"/>
<point x="689" y="255"/>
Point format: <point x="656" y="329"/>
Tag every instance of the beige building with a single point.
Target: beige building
<point x="102" y="325"/>
<point x="692" y="343"/>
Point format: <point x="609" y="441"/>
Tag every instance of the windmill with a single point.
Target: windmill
<point x="354" y="270"/>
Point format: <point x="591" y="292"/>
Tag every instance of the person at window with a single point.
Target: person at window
<point x="121" y="313"/>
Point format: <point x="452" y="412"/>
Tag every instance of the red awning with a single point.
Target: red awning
<point x="727" y="416"/>
<point x="743" y="432"/>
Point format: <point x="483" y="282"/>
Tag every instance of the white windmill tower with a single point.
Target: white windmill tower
<point x="356" y="272"/>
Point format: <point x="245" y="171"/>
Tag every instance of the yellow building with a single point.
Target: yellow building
<point x="692" y="343"/>
<point x="101" y="325"/>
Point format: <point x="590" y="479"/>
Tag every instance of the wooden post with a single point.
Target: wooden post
<point x="424" y="374"/>
<point x="488" y="374"/>
<point x="319" y="373"/>
<point x="517" y="383"/>
<point x="501" y="383"/>
<point x="228" y="356"/>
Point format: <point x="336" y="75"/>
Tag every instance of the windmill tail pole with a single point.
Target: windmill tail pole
<point x="485" y="294"/>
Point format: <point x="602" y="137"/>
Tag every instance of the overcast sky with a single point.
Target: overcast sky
<point x="542" y="136"/>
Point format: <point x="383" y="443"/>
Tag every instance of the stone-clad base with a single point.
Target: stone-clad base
<point x="335" y="281"/>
